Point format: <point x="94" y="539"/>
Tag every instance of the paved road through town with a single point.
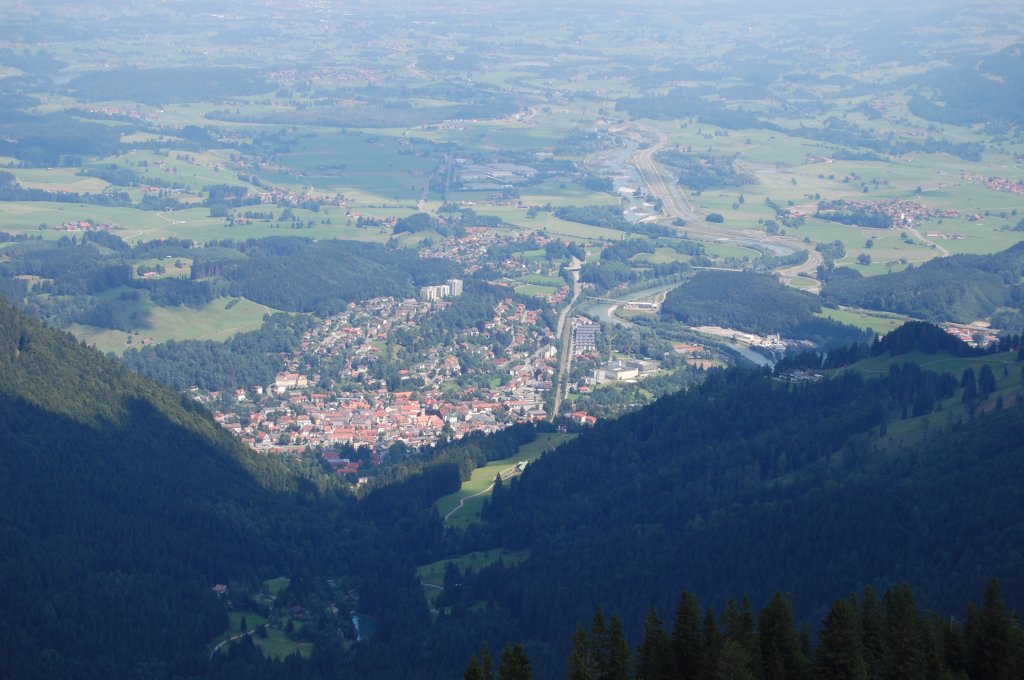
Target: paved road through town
<point x="564" y="334"/>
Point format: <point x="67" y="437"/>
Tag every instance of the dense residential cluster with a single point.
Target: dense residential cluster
<point x="895" y="213"/>
<point x="995" y="183"/>
<point x="349" y="384"/>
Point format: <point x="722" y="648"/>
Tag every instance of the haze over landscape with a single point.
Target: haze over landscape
<point x="511" y="339"/>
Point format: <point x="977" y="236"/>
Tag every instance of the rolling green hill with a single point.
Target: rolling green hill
<point x="960" y="288"/>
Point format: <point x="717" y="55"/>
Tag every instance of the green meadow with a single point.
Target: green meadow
<point x="366" y="166"/>
<point x="474" y="491"/>
<point x="880" y="322"/>
<point x="941" y="362"/>
<point x="901" y="432"/>
<point x="252" y="620"/>
<point x="214" y="321"/>
<point x="60" y="179"/>
<point x="431" y="575"/>
<point x="278" y="645"/>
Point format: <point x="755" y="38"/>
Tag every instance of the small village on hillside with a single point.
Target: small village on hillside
<point x="335" y="394"/>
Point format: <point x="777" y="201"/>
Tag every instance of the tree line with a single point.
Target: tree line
<point x="885" y="637"/>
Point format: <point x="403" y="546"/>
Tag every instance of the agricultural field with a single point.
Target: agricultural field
<point x="330" y="136"/>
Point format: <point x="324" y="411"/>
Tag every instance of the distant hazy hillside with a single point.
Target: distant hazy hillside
<point x="756" y="303"/>
<point x="751" y="302"/>
<point x="959" y="288"/>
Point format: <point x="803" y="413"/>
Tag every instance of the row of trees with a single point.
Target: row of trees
<point x="860" y="638"/>
<point x="749" y="483"/>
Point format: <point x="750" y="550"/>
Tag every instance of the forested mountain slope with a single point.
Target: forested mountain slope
<point x="752" y="485"/>
<point x="958" y="288"/>
<point x="122" y="503"/>
<point x="755" y="303"/>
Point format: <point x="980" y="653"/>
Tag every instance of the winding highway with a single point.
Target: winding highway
<point x="662" y="185"/>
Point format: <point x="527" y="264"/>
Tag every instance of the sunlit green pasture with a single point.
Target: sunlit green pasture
<point x="170" y="270"/>
<point x="369" y="166"/>
<point x="214" y="321"/>
<point x="535" y="291"/>
<point x="880" y="322"/>
<point x="661" y="256"/>
<point x="472" y="491"/>
<point x="547" y="222"/>
<point x="59" y="179"/>
<point x="431" y="575"/>
<point x="193" y="223"/>
<point x="278" y="645"/>
<point x="941" y="362"/>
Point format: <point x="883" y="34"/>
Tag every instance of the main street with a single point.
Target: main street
<point x="564" y="335"/>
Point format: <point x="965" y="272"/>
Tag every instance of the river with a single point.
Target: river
<point x="615" y="163"/>
<point x="605" y="312"/>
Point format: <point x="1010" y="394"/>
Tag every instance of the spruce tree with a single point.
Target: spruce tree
<point x="734" y="662"/>
<point x="600" y="643"/>
<point x="993" y="641"/>
<point x="872" y="626"/>
<point x="514" y="664"/>
<point x="781" y="655"/>
<point x="620" y="661"/>
<point x="486" y="664"/>
<point x="687" y="640"/>
<point x="740" y="627"/>
<point x="970" y="385"/>
<point x="986" y="381"/>
<point x="904" y="658"/>
<point x="655" y="656"/>
<point x="712" y="646"/>
<point x="473" y="670"/>
<point x="840" y="655"/>
<point x="581" y="666"/>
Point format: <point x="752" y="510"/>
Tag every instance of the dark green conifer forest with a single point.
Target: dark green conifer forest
<point x="122" y="504"/>
<point x="861" y="637"/>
